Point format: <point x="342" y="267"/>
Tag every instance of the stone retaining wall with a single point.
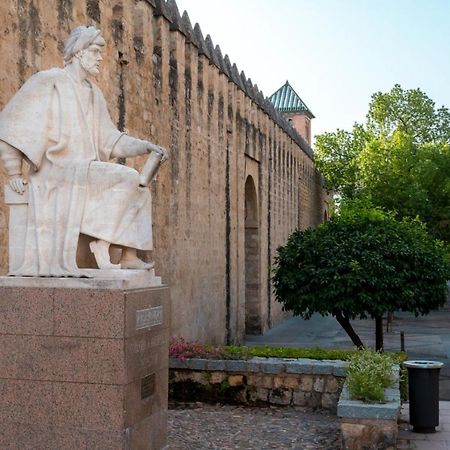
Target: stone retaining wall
<point x="258" y="381"/>
<point x="290" y="382"/>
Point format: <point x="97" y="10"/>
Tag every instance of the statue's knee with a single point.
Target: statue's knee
<point x="130" y="176"/>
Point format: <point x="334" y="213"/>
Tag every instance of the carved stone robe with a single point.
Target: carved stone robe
<point x="73" y="189"/>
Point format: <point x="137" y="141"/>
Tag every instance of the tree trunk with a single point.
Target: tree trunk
<point x="346" y="325"/>
<point x="379" y="333"/>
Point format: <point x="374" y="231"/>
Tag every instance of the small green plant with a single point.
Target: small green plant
<point x="368" y="374"/>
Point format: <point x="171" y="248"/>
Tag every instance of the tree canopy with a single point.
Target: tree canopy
<point x="362" y="263"/>
<point x="400" y="158"/>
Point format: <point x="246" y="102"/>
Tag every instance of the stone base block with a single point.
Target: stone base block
<point x="368" y="434"/>
<point x="83" y="368"/>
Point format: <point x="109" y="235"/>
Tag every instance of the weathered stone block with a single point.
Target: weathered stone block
<point x="323" y="367"/>
<point x="236" y="380"/>
<point x="199" y="377"/>
<point x="314" y="400"/>
<point x="175" y="363"/>
<point x="236" y="365"/>
<point x="368" y="434"/>
<point x="216" y="364"/>
<point x="280" y="396"/>
<point x="290" y="382"/>
<point x="301" y="398"/>
<point x="217" y="377"/>
<point x="329" y="401"/>
<point x="253" y="365"/>
<point x="273" y="366"/>
<point x="181" y="375"/>
<point x="340" y="370"/>
<point x="306" y="383"/>
<point x="197" y="364"/>
<point x="319" y="384"/>
<point x="259" y="395"/>
<point x="265" y="381"/>
<point x="300" y="366"/>
<point x="331" y="385"/>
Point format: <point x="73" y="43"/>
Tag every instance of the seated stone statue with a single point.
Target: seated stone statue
<point x="59" y="123"/>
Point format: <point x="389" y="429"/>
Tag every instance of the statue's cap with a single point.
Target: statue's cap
<point x="80" y="38"/>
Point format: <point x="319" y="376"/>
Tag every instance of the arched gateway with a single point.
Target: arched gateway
<point x="253" y="323"/>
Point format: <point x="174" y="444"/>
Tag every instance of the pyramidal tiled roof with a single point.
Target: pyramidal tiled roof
<point x="287" y="100"/>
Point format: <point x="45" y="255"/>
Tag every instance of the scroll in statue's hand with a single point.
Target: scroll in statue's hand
<point x="156" y="157"/>
<point x="161" y="151"/>
<point x="17" y="184"/>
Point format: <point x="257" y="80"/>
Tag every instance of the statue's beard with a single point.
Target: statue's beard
<point x="91" y="69"/>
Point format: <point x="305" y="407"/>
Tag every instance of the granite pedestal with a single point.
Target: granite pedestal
<point x="83" y="367"/>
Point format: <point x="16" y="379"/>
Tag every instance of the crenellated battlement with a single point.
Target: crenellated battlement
<point x="169" y="10"/>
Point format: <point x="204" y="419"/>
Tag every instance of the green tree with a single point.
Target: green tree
<point x="337" y="158"/>
<point x="400" y="158"/>
<point x="414" y="182"/>
<point x="362" y="263"/>
<point x="409" y="111"/>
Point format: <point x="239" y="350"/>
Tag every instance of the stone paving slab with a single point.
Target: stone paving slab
<point x="408" y="440"/>
<point x="225" y="427"/>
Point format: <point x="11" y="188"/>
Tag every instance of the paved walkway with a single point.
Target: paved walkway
<point x="207" y="427"/>
<point x="226" y="427"/>
<point x="418" y="441"/>
<point x="426" y="337"/>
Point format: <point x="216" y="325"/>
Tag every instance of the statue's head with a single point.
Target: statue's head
<point x="85" y="44"/>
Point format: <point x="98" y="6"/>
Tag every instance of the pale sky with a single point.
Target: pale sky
<point x="335" y="53"/>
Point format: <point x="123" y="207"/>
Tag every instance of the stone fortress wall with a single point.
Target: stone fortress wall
<point x="239" y="179"/>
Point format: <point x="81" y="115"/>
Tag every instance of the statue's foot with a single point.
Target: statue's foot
<point x="100" y="249"/>
<point x="135" y="263"/>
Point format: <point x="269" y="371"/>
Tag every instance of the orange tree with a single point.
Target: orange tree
<point x="363" y="263"/>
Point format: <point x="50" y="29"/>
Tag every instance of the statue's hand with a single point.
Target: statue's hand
<point x="165" y="154"/>
<point x="17" y="184"/>
<point x="161" y="151"/>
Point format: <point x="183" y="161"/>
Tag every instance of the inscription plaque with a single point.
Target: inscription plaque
<point x="149" y="317"/>
<point x="147" y="386"/>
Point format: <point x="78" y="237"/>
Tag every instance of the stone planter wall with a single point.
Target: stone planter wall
<point x="290" y="382"/>
<point x="263" y="381"/>
<point x="370" y="426"/>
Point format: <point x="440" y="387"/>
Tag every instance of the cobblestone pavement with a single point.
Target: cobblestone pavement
<point x="225" y="427"/>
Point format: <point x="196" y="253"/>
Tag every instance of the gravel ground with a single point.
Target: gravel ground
<point x="213" y="427"/>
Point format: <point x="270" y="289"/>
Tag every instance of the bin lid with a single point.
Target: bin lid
<point x="423" y="364"/>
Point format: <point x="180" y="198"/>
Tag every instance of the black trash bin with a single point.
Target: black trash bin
<point x="423" y="390"/>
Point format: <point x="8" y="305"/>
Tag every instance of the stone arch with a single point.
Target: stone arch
<point x="253" y="322"/>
